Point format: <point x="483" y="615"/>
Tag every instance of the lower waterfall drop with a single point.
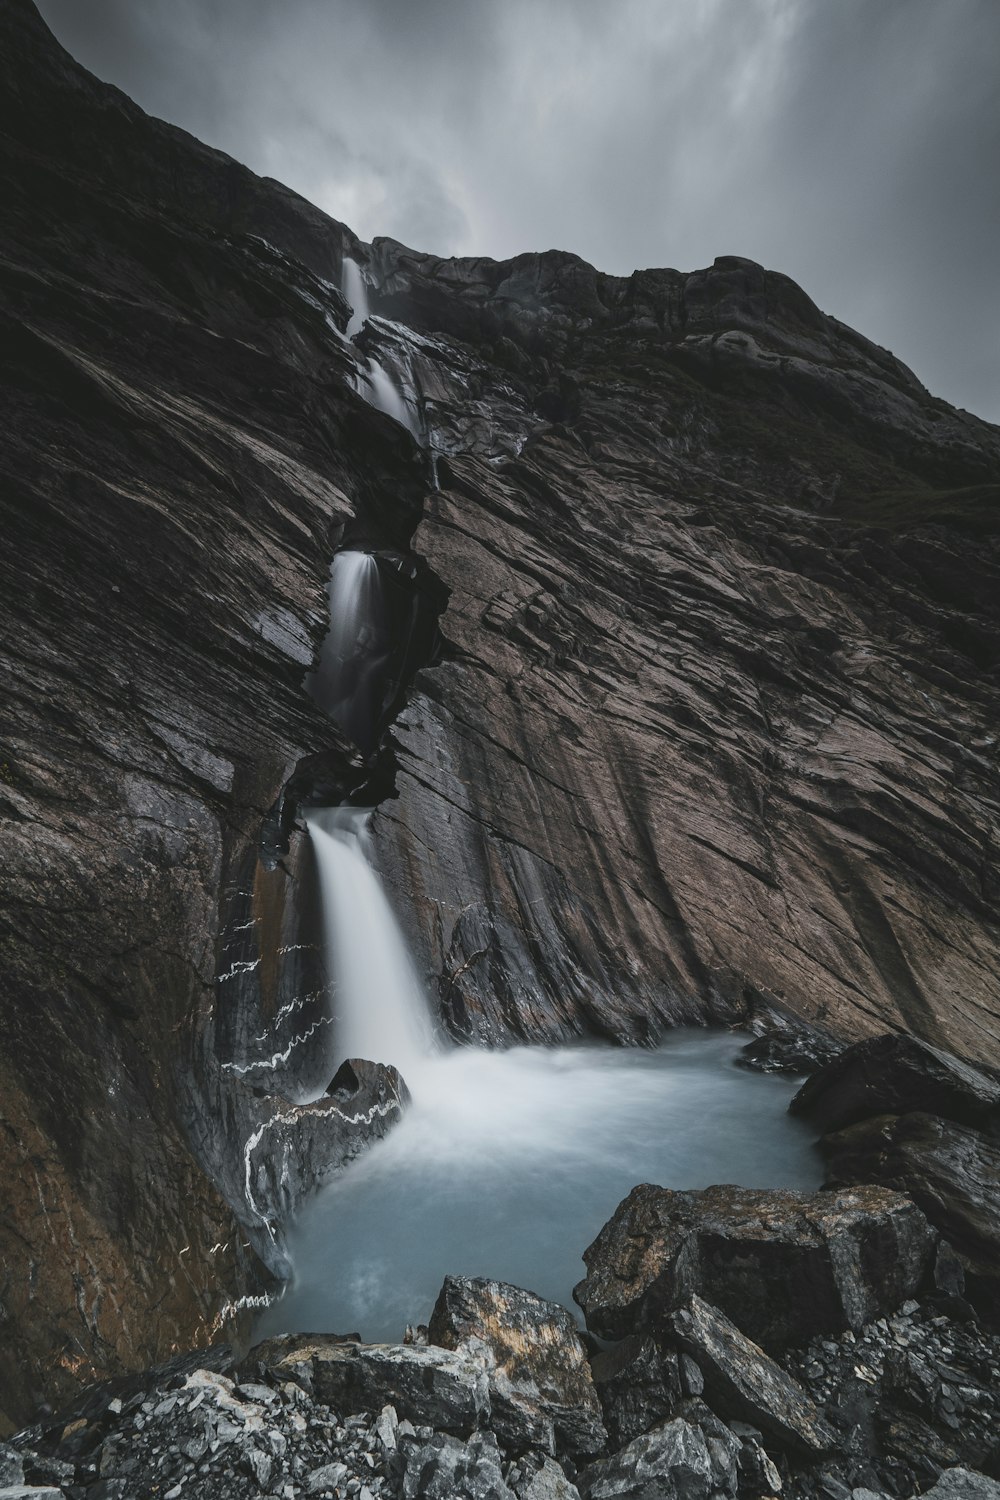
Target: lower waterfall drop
<point x="380" y="1007"/>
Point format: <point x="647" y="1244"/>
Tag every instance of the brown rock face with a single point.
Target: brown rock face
<point x="172" y="481"/>
<point x="783" y="1266"/>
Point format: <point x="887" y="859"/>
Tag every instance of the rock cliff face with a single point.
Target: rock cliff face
<point x="711" y="725"/>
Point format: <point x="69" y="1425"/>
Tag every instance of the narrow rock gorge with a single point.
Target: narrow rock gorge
<point x="687" y="715"/>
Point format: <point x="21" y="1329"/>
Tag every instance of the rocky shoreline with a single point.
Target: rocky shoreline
<point x="840" y="1345"/>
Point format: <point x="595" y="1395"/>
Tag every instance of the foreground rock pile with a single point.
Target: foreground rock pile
<point x="502" y="1397"/>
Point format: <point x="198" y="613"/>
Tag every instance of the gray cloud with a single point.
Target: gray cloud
<point x="853" y="144"/>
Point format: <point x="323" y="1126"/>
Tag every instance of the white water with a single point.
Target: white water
<point x="380" y="1011"/>
<point x="347" y="682"/>
<point x="377" y="385"/>
<point x="508" y="1163"/>
<point x="355" y="289"/>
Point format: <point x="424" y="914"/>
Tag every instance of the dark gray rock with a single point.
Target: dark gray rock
<point x="897" y="1074"/>
<point x="426" y="1385"/>
<point x="672" y="1462"/>
<point x="542" y="1393"/>
<point x="963" y="1484"/>
<point x="299" y="1148"/>
<point x="638" y="1384"/>
<point x="742" y="1381"/>
<point x="548" y="1483"/>
<point x="782" y="1265"/>
<point x="951" y="1171"/>
<point x="786" y="1044"/>
<point x="445" y="1468"/>
<point x="11" y="1465"/>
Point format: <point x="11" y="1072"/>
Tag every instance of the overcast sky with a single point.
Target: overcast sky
<point x="854" y="144"/>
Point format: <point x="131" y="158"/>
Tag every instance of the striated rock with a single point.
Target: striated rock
<point x="741" y="1381"/>
<point x="638" y="1384"/>
<point x="951" y="1171"/>
<point x="542" y="1394"/>
<point x="672" y="1462"/>
<point x="897" y="1074"/>
<point x="782" y="1265"/>
<point x="298" y="1149"/>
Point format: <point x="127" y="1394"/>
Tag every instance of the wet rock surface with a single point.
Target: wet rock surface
<point x="781" y="1265"/>
<point x="951" y="1171"/>
<point x="897" y="1074"/>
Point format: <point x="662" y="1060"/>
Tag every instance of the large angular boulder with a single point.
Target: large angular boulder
<point x="430" y="1387"/>
<point x="896" y="1074"/>
<point x="784" y="1266"/>
<point x="542" y="1393"/>
<point x="741" y="1381"/>
<point x="950" y="1170"/>
<point x="672" y="1462"/>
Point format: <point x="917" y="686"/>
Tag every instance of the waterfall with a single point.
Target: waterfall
<point x="348" y="681"/>
<point x="381" y="1010"/>
<point x="374" y="383"/>
<point x="355" y="290"/>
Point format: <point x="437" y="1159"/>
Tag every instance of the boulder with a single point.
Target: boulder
<point x="445" y="1468"/>
<point x="431" y="1387"/>
<point x="299" y="1148"/>
<point x="672" y="1462"/>
<point x="963" y="1484"/>
<point x="783" y="1265"/>
<point x="950" y="1170"/>
<point x="742" y="1381"/>
<point x="638" y="1384"/>
<point x="784" y="1043"/>
<point x="549" y="1483"/>
<point x="542" y="1394"/>
<point x="896" y="1074"/>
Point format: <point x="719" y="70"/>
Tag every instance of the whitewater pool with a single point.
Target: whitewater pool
<point x="508" y="1163"/>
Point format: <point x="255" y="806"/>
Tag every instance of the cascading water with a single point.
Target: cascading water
<point x="374" y="382"/>
<point x="381" y="1012"/>
<point x="348" y="681"/>
<point x="507" y="1163"/>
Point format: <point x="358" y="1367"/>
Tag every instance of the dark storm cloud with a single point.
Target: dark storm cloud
<point x="853" y="144"/>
